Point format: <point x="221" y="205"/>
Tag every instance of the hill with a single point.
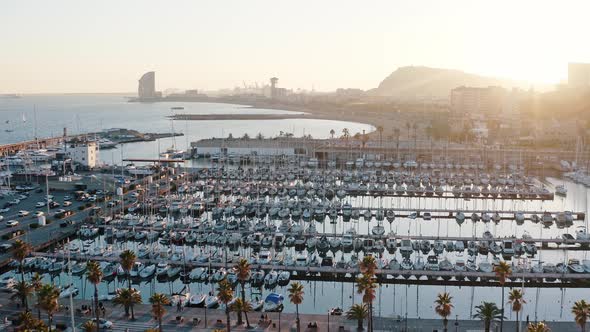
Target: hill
<point x="412" y="82"/>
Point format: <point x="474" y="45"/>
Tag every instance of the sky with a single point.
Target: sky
<point x="78" y="46"/>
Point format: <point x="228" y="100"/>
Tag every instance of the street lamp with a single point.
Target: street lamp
<point x="456" y="323"/>
<point x="328" y="320"/>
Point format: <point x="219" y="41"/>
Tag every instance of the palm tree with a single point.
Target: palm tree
<point x="225" y="294"/>
<point x="128" y="259"/>
<point x="242" y="269"/>
<point x="127" y="298"/>
<point x="158" y="301"/>
<point x="358" y="312"/>
<point x="89" y="326"/>
<point x="538" y="327"/>
<point x="242" y="307"/>
<point x="366" y="286"/>
<point x="502" y="271"/>
<point x="94" y="275"/>
<point x="581" y="311"/>
<point x="332" y="133"/>
<point x="37" y="282"/>
<point x="515" y="297"/>
<point x="30" y="323"/>
<point x="22" y="290"/>
<point x="48" y="296"/>
<point x="368" y="265"/>
<point x="345" y="133"/>
<point x="380" y="130"/>
<point x="408" y="126"/>
<point x="443" y="307"/>
<point x="20" y="251"/>
<point x="488" y="312"/>
<point x="296" y="297"/>
<point x="414" y="127"/>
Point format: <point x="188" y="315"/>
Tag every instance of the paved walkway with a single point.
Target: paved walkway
<point x="283" y="322"/>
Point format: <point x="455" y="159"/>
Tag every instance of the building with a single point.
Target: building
<point x="472" y="100"/>
<point x="147" y="86"/>
<point x="84" y="154"/>
<point x="253" y="147"/>
<point x="579" y="75"/>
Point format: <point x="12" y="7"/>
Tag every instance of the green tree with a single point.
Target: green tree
<point x="332" y="133"/>
<point x="538" y="327"/>
<point x="22" y="291"/>
<point x="515" y="298"/>
<point x="128" y="259"/>
<point x="37" y="283"/>
<point x="242" y="269"/>
<point x="488" y="312"/>
<point x="358" y="312"/>
<point x="502" y="271"/>
<point x="225" y="294"/>
<point x="366" y="286"/>
<point x="244" y="307"/>
<point x="20" y="251"/>
<point x="296" y="297"/>
<point x="30" y="323"/>
<point x="48" y="301"/>
<point x="126" y="298"/>
<point x="94" y="275"/>
<point x="158" y="301"/>
<point x="581" y="311"/>
<point x="443" y="307"/>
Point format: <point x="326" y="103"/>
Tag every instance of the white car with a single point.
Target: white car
<point x="1" y="218"/>
<point x="67" y="203"/>
<point x="11" y="223"/>
<point x="40" y="204"/>
<point x="23" y="213"/>
<point x="39" y="213"/>
<point x="105" y="324"/>
<point x="4" y="210"/>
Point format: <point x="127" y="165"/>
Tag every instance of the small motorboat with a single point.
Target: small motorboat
<point x="273" y="302"/>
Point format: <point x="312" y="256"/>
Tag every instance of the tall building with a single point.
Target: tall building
<point x="473" y="100"/>
<point x="578" y="75"/>
<point x="147" y="86"/>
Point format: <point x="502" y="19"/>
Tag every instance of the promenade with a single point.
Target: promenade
<point x="215" y="319"/>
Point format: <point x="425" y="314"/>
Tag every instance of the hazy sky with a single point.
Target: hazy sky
<point x="104" y="46"/>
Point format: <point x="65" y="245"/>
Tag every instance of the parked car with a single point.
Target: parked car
<point x="67" y="203"/>
<point x="11" y="223"/>
<point x="23" y="213"/>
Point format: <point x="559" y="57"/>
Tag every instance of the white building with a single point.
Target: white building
<point x="84" y="154"/>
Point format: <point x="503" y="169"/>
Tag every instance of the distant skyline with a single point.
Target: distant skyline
<point x="71" y="46"/>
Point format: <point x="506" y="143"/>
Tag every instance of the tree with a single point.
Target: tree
<point x="30" y="323"/>
<point x="515" y="298"/>
<point x="366" y="286"/>
<point x="225" y="294"/>
<point x="502" y="271"/>
<point x="296" y="297"/>
<point x="581" y="311"/>
<point x="94" y="275"/>
<point x="242" y="307"/>
<point x="443" y="307"/>
<point x="158" y="301"/>
<point x="332" y="133"/>
<point x="408" y="126"/>
<point x="368" y="265"/>
<point x="20" y="251"/>
<point x="358" y="312"/>
<point x="242" y="269"/>
<point x="22" y="291"/>
<point x="37" y="283"/>
<point x="260" y="136"/>
<point x="128" y="259"/>
<point x="127" y="298"/>
<point x="245" y="136"/>
<point x="48" y="301"/>
<point x="415" y="127"/>
<point x="89" y="326"/>
<point x="230" y="136"/>
<point x="380" y="130"/>
<point x="538" y="327"/>
<point x="345" y="133"/>
<point x="488" y="312"/>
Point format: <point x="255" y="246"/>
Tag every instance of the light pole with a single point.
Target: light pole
<point x="328" y="320"/>
<point x="456" y="323"/>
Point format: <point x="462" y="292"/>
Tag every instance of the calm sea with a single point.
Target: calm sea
<point x="44" y="116"/>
